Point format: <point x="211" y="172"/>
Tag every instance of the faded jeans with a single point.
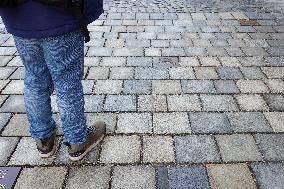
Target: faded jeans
<point x="54" y="63"/>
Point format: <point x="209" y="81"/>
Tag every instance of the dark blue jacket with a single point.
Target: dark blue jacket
<point x="35" y="20"/>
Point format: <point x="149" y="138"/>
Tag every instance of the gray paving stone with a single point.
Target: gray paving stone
<point x="196" y="149"/>
<point x="238" y="147"/>
<point x="41" y="177"/>
<point x="121" y="73"/>
<point x="153" y="52"/>
<point x="171" y="123"/>
<point x="165" y="62"/>
<point x="5" y="60"/>
<point x="108" y="87"/>
<point x="197" y="86"/>
<point x="251" y="102"/>
<point x="98" y="73"/>
<point x="3" y="83"/>
<point x="99" y="51"/>
<point x="181" y="73"/>
<point x="195" y="51"/>
<point x="17" y="126"/>
<point x="15" y="103"/>
<point x="27" y="154"/>
<point x="120" y="103"/>
<point x="183" y="103"/>
<point x="252" y="86"/>
<point x="193" y="177"/>
<point x="4" y="119"/>
<point x="230" y="176"/>
<point x="18" y="74"/>
<point x="229" y="61"/>
<point x="152" y="103"/>
<point x="137" y="43"/>
<point x="5" y="72"/>
<point x="124" y="51"/>
<point x="203" y="122"/>
<point x="88" y="86"/>
<point x="91" y="61"/>
<point x="151" y="73"/>
<point x="93" y="103"/>
<point x="134" y="123"/>
<point x="158" y="149"/>
<point x="252" y="73"/>
<point x="7" y="51"/>
<point x="166" y="87"/>
<point x="274" y="72"/>
<point x="134" y="177"/>
<point x="275" y="102"/>
<point x="249" y="122"/>
<point x="271" y="146"/>
<point x="7" y="146"/>
<point x="229" y="73"/>
<point x="209" y="61"/>
<point x="226" y="86"/>
<point x="121" y="149"/>
<point x="137" y="87"/>
<point x="205" y="73"/>
<point x="173" y="52"/>
<point x="267" y="173"/>
<point x="218" y="103"/>
<point x="113" y="61"/>
<point x="88" y="177"/>
<point x="252" y="61"/>
<point x="276" y="120"/>
<point x="275" y="85"/>
<point x="188" y="61"/>
<point x="139" y="61"/>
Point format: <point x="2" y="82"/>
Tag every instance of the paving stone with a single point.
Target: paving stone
<point x="229" y="61"/>
<point x="158" y="149"/>
<point x="171" y="123"/>
<point x="88" y="177"/>
<point x="113" y="61"/>
<point x="15" y="103"/>
<point x="252" y="73"/>
<point x="166" y="87"/>
<point x="7" y="51"/>
<point x="3" y="83"/>
<point x="197" y="86"/>
<point x="7" y="146"/>
<point x="274" y="72"/>
<point x="196" y="149"/>
<point x="5" y="60"/>
<point x="99" y="51"/>
<point x="205" y="73"/>
<point x="267" y="173"/>
<point x="271" y="146"/>
<point x="134" y="123"/>
<point x="125" y="51"/>
<point x="183" y="103"/>
<point x="120" y="103"/>
<point x="218" y="103"/>
<point x="153" y="52"/>
<point x="195" y="51"/>
<point x="108" y="87"/>
<point x="121" y="73"/>
<point x="137" y="87"/>
<point x="98" y="73"/>
<point x="203" y="122"/>
<point x="4" y="119"/>
<point x="252" y="86"/>
<point x="186" y="177"/>
<point x="188" y="61"/>
<point x="252" y="61"/>
<point x="209" y="61"/>
<point x="152" y="103"/>
<point x="121" y="149"/>
<point x="275" y="102"/>
<point x="93" y="103"/>
<point x="27" y="154"/>
<point x="18" y="74"/>
<point x="230" y="176"/>
<point x="88" y="86"/>
<point x="275" y="85"/>
<point x="276" y="120"/>
<point x="139" y="61"/>
<point x="251" y="102"/>
<point x="5" y="72"/>
<point x="165" y="62"/>
<point x="249" y="122"/>
<point x="238" y="147"/>
<point x="108" y="118"/>
<point x="181" y="73"/>
<point x="226" y="86"/>
<point x="151" y="73"/>
<point x="213" y="51"/>
<point x="17" y="126"/>
<point x="133" y="177"/>
<point x="41" y="177"/>
<point x="229" y="73"/>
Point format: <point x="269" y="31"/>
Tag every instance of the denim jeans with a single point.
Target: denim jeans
<point x="54" y="63"/>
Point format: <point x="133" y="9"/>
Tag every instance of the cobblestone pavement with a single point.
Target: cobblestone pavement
<point x="191" y="91"/>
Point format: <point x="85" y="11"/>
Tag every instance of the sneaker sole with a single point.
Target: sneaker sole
<point x="87" y="151"/>
<point x="51" y="153"/>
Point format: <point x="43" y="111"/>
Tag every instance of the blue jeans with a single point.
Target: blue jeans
<point x="54" y="63"/>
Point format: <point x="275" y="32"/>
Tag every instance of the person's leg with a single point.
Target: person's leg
<point x="64" y="56"/>
<point x="37" y="88"/>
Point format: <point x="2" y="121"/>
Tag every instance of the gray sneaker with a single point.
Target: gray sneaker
<point x="47" y="147"/>
<point x="94" y="137"/>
